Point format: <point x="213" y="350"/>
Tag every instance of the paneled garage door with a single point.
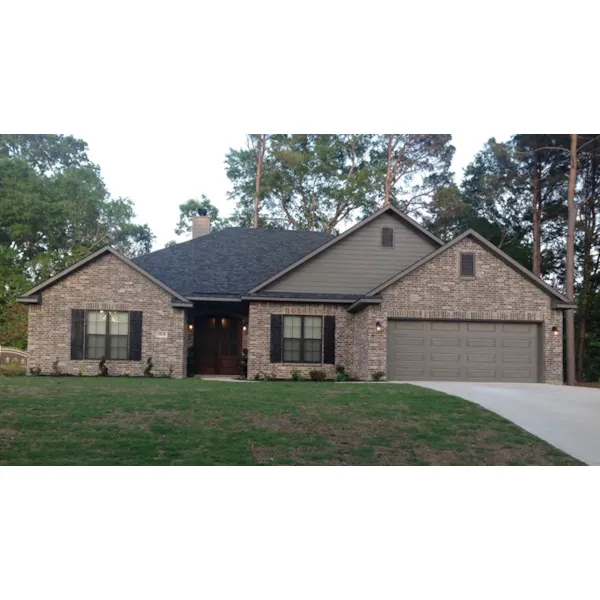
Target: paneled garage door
<point x="463" y="351"/>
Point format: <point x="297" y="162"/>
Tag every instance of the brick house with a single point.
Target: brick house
<point x="385" y="295"/>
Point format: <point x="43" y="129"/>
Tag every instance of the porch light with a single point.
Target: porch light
<point x="244" y="327"/>
<point x="555" y="331"/>
<point x="191" y="327"/>
<point x="378" y="326"/>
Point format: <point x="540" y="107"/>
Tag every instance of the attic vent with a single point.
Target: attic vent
<point x="387" y="237"/>
<point x="467" y="265"/>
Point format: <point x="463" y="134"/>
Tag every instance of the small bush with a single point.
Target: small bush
<point x="56" y="370"/>
<point x="149" y="366"/>
<point x="378" y="376"/>
<point x="35" y="371"/>
<point x="244" y="363"/>
<point x="257" y="377"/>
<point x="317" y="375"/>
<point x="13" y="369"/>
<point x="296" y="375"/>
<point x="171" y="369"/>
<point x="80" y="371"/>
<point x="341" y="373"/>
<point x="103" y="367"/>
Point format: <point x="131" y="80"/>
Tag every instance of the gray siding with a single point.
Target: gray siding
<point x="358" y="263"/>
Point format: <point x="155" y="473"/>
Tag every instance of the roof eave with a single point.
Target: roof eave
<point x="311" y="300"/>
<point x="33" y="299"/>
<point x="363" y="303"/>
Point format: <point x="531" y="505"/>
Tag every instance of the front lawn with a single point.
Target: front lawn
<point x="104" y="421"/>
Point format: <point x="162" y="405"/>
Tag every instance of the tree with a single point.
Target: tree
<point x="416" y="166"/>
<point x="260" y="156"/>
<point x="570" y="264"/>
<point x="190" y="208"/>
<point x="54" y="209"/>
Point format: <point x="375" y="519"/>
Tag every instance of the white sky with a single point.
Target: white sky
<point x="158" y="181"/>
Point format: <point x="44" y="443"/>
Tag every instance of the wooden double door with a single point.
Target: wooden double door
<point x="218" y="342"/>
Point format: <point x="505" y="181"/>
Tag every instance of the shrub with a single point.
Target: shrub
<point x="296" y="375"/>
<point x="13" y="369"/>
<point x="149" y="366"/>
<point x="171" y="369"/>
<point x="80" y="371"/>
<point x="56" y="370"/>
<point x="35" y="371"/>
<point x="244" y="363"/>
<point x="103" y="367"/>
<point x="341" y="373"/>
<point x="317" y="375"/>
<point x="378" y="376"/>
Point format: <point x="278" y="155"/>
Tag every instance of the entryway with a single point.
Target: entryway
<point x="218" y="342"/>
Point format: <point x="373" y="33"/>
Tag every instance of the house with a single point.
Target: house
<point x="385" y="295"/>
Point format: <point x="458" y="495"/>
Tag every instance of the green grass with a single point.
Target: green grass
<point x="99" y="421"/>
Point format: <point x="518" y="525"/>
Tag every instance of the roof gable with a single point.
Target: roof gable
<point x="32" y="295"/>
<point x="411" y="223"/>
<point x="561" y="298"/>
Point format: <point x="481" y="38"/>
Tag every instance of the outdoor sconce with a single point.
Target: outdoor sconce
<point x="190" y="327"/>
<point x="245" y="325"/>
<point x="555" y="331"/>
<point x="378" y="326"/>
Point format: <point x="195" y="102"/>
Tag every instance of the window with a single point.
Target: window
<point x="302" y="339"/>
<point x="467" y="265"/>
<point x="387" y="237"/>
<point x="107" y="334"/>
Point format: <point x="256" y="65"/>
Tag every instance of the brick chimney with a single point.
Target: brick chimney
<point x="200" y="223"/>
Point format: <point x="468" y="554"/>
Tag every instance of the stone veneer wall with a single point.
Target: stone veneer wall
<point x="497" y="292"/>
<point x="259" y="336"/>
<point x="107" y="283"/>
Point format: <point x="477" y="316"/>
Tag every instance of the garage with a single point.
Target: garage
<point x="463" y="351"/>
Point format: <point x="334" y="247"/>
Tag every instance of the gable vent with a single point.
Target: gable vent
<point x="387" y="237"/>
<point x="467" y="265"/>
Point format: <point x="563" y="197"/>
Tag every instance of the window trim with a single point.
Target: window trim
<point x="302" y="340"/>
<point x="460" y="265"/>
<point x="392" y="237"/>
<point x="107" y="335"/>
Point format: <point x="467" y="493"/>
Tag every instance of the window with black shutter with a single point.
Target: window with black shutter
<point x="467" y="264"/>
<point x="114" y="335"/>
<point x="387" y="237"/>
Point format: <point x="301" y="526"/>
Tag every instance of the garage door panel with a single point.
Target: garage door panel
<point x="481" y="343"/>
<point x="436" y="357"/>
<point x="440" y="341"/>
<point x="463" y="351"/>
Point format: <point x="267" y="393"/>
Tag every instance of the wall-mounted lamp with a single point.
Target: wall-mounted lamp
<point x="191" y="327"/>
<point x="555" y="331"/>
<point x="244" y="327"/>
<point x="378" y="326"/>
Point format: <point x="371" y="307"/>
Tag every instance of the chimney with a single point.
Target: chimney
<point x="200" y="223"/>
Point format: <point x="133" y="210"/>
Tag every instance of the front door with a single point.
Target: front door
<point x="218" y="342"/>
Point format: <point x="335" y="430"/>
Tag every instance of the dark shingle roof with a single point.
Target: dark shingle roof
<point x="229" y="262"/>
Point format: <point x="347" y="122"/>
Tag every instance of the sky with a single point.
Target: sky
<point x="158" y="181"/>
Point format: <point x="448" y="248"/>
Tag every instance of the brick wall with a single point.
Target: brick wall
<point x="259" y="336"/>
<point x="497" y="292"/>
<point x="107" y="283"/>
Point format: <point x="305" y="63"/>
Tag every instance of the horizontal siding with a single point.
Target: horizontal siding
<point x="358" y="263"/>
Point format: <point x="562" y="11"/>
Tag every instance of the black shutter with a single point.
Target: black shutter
<point x="276" y="323"/>
<point x="329" y="341"/>
<point x="77" y="333"/>
<point x="135" y="335"/>
<point x="467" y="265"/>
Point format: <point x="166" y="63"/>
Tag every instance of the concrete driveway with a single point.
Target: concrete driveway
<point x="566" y="417"/>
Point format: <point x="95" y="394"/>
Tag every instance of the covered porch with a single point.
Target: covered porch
<point x="217" y="337"/>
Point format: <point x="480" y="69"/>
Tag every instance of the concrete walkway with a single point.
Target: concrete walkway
<point x="566" y="417"/>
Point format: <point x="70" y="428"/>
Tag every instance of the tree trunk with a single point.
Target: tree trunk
<point x="537" y="221"/>
<point x="388" y="176"/>
<point x="570" y="266"/>
<point x="259" y="164"/>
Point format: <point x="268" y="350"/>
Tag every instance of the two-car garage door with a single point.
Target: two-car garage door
<point x="463" y="351"/>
